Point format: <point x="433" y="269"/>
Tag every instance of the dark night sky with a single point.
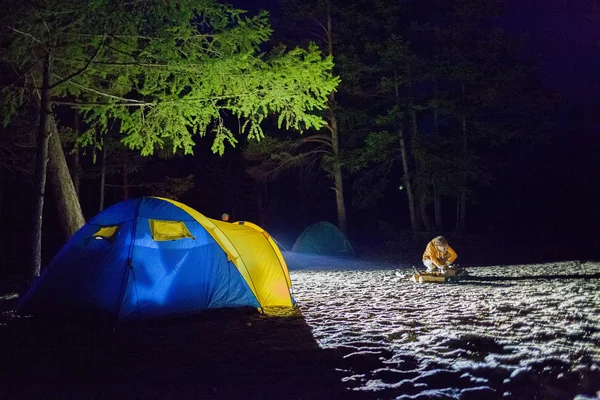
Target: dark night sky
<point x="566" y="37"/>
<point x="563" y="33"/>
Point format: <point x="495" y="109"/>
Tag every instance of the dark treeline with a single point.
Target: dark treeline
<point x="439" y="124"/>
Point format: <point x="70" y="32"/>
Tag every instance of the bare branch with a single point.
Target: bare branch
<point x="76" y="104"/>
<point x="26" y="34"/>
<point x="324" y="28"/>
<point x="313" y="33"/>
<point x="318" y="139"/>
<point x="296" y="161"/>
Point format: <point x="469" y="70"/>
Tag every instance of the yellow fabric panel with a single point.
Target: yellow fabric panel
<point x="107" y="232"/>
<point x="163" y="230"/>
<point x="267" y="271"/>
<point x="223" y="241"/>
<point x="260" y="262"/>
<point x="275" y="249"/>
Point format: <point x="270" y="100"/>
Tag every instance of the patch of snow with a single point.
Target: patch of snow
<point x="489" y="332"/>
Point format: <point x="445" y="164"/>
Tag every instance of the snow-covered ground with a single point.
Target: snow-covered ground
<point x="537" y="336"/>
<point x="531" y="333"/>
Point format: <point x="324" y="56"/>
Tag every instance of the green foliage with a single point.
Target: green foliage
<point x="375" y="162"/>
<point x="326" y="149"/>
<point x="442" y="62"/>
<point x="449" y="62"/>
<point x="379" y="147"/>
<point x="167" y="70"/>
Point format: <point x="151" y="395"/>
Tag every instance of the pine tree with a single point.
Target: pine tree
<point x="166" y="71"/>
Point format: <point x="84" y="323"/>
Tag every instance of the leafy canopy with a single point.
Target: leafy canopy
<point x="166" y="70"/>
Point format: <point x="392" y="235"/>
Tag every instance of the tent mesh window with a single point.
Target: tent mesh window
<point x="106" y="232"/>
<point x="169" y="230"/>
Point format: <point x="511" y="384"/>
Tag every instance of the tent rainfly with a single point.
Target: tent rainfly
<point x="325" y="239"/>
<point x="152" y="257"/>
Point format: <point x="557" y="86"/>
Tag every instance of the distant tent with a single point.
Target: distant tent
<point x="323" y="238"/>
<point x="150" y="257"/>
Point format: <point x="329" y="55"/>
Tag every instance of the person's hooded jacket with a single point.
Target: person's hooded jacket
<point x="439" y="258"/>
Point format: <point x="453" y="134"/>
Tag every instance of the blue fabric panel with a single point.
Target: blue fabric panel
<point x="85" y="278"/>
<point x="159" y="209"/>
<point x="90" y="276"/>
<point x="117" y="214"/>
<point x="181" y="276"/>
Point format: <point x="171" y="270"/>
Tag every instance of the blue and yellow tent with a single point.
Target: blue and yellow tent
<point x="150" y="257"/>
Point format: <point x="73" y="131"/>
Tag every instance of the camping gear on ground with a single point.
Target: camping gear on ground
<point x="150" y="257"/>
<point x="449" y="274"/>
<point x="324" y="239"/>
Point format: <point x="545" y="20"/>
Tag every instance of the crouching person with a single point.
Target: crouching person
<point x="438" y="255"/>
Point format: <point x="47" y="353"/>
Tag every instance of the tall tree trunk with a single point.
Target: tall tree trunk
<point x="414" y="224"/>
<point x="66" y="199"/>
<point x="415" y="143"/>
<point x="424" y="216"/>
<point x="102" y="177"/>
<point x="338" y="176"/>
<point x="76" y="170"/>
<point x="125" y="174"/>
<point x="41" y="164"/>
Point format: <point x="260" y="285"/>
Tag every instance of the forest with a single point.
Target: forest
<point x="396" y="121"/>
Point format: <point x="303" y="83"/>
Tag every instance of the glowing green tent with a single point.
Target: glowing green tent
<point x="325" y="239"/>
